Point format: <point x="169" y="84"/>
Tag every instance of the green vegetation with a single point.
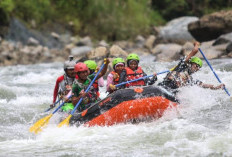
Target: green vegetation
<point x="105" y="19"/>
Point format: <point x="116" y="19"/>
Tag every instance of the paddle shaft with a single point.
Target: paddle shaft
<point x="87" y="89"/>
<point x="70" y="93"/>
<point x="60" y="105"/>
<point x="141" y="78"/>
<point x="213" y="71"/>
<point x="54" y="105"/>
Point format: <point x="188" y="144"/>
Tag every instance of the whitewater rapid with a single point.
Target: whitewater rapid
<point x="200" y="126"/>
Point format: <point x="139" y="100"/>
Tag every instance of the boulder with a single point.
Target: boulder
<point x="32" y="42"/>
<point x="187" y="48"/>
<point x="99" y="52"/>
<point x="25" y="50"/>
<point x="150" y="41"/>
<point x="86" y="41"/>
<point x="167" y="52"/>
<point x="116" y="51"/>
<point x="229" y="48"/>
<point x="211" y="26"/>
<point x="124" y="44"/>
<point x="211" y="52"/>
<point x="55" y="35"/>
<point x="81" y="50"/>
<point x="230" y="55"/>
<point x="177" y="30"/>
<point x="139" y="41"/>
<point x="140" y="51"/>
<point x="223" y="39"/>
<point x="103" y="43"/>
<point x="37" y="50"/>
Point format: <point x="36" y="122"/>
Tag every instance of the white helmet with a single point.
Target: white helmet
<point x="70" y="64"/>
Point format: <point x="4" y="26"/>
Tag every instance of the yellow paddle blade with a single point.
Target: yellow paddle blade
<point x="65" y="122"/>
<point x="39" y="124"/>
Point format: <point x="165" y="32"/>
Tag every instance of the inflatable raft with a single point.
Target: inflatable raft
<point x="127" y="105"/>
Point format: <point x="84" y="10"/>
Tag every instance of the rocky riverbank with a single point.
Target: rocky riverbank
<point x="166" y="43"/>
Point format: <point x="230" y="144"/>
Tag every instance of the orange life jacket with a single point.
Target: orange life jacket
<point x="132" y="75"/>
<point x="115" y="80"/>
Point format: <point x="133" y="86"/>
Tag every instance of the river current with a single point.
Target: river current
<point x="200" y="126"/>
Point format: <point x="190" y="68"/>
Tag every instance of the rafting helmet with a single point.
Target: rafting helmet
<point x="92" y="65"/>
<point x="79" y="67"/>
<point x="70" y="64"/>
<point x="196" y="60"/>
<point x="118" y="60"/>
<point x="132" y="56"/>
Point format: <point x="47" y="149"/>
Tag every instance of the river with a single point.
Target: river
<point x="201" y="125"/>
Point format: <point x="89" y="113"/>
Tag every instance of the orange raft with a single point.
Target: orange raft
<point x="127" y="105"/>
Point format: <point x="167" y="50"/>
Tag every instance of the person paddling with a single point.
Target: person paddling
<point x="113" y="77"/>
<point x="82" y="82"/>
<point x="133" y="71"/>
<point x="92" y="65"/>
<point x="64" y="84"/>
<point x="181" y="74"/>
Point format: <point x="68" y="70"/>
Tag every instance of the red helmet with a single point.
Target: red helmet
<point x="81" y="67"/>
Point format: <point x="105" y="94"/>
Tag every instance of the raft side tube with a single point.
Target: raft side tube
<point x="118" y="97"/>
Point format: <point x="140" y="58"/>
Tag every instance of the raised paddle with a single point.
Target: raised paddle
<point x="66" y="121"/>
<point x="37" y="127"/>
<point x="141" y="78"/>
<point x="213" y="71"/>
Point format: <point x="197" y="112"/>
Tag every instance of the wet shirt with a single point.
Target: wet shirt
<point x="63" y="86"/>
<point x="91" y="94"/>
<point x="77" y="87"/>
<point x="180" y="76"/>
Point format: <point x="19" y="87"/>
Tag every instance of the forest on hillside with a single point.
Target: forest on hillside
<point x="104" y="19"/>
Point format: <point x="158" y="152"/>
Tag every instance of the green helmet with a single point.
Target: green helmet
<point x="118" y="60"/>
<point x="196" y="60"/>
<point x="92" y="65"/>
<point x="132" y="56"/>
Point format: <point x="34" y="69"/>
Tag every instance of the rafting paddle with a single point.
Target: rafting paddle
<point x="141" y="78"/>
<point x="213" y="71"/>
<point x="54" y="105"/>
<point x="37" y="127"/>
<point x="66" y="121"/>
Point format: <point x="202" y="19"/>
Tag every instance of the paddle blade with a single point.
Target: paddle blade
<point x="65" y="122"/>
<point x="37" y="127"/>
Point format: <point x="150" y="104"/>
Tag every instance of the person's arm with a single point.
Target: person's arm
<point x="75" y="99"/>
<point x="221" y="86"/>
<point x="193" y="52"/>
<point x="102" y="73"/>
<point x="77" y="95"/>
<point x="55" y="92"/>
<point x="109" y="81"/>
